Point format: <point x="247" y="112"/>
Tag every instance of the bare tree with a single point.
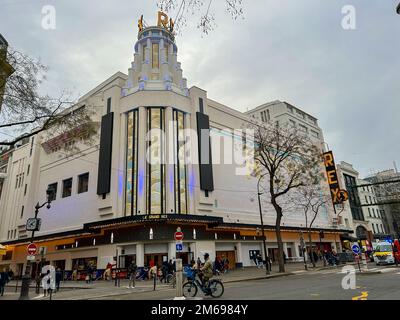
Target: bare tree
<point x="310" y="199"/>
<point x="26" y="112"/>
<point x="200" y="8"/>
<point x="290" y="160"/>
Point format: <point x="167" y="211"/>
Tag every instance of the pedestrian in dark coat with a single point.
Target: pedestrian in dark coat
<point x="58" y="279"/>
<point x="4" y="279"/>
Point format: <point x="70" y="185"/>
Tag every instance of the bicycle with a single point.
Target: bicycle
<point x="171" y="279"/>
<point x="190" y="288"/>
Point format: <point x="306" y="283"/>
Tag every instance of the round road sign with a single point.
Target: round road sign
<point x="355" y="248"/>
<point x="178" y="236"/>
<point x="32" y="249"/>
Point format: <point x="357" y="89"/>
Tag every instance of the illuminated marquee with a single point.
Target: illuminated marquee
<point x="338" y="195"/>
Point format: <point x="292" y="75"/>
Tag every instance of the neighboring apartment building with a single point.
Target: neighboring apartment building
<point x="5" y="68"/>
<point x="111" y="202"/>
<point x="287" y="114"/>
<point x="361" y="212"/>
<point x="386" y="185"/>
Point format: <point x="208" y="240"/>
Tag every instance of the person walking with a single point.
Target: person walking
<point x="198" y="263"/>
<point x="46" y="283"/>
<point x="132" y="274"/>
<point x="164" y="271"/>
<point x="58" y="279"/>
<point x="4" y="279"/>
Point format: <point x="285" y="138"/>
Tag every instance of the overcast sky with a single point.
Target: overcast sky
<point x="292" y="50"/>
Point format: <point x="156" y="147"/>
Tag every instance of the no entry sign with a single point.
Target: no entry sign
<point x="178" y="236"/>
<point x="32" y="249"/>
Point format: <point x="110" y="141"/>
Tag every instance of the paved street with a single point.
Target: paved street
<point x="298" y="284"/>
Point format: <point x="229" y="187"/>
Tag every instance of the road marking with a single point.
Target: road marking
<point x="387" y="270"/>
<point x="314" y="294"/>
<point x="364" y="295"/>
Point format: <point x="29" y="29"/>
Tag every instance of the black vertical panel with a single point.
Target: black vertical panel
<point x="201" y="107"/>
<point x="108" y="105"/>
<point x="205" y="167"/>
<point x="104" y="170"/>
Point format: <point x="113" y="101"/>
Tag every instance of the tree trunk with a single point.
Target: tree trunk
<point x="278" y="210"/>
<point x="311" y="251"/>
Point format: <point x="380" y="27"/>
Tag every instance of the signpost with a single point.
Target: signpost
<point x="178" y="236"/>
<point x="356" y="250"/>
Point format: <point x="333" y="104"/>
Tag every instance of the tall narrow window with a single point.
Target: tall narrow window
<point x="67" y="188"/>
<point x="83" y="182"/>
<point x="144" y="53"/>
<point x="131" y="164"/>
<point x="155" y="61"/>
<point x="155" y="181"/>
<point x="53" y="188"/>
<point x="180" y="163"/>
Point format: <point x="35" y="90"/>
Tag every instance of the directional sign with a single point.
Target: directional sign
<point x="32" y="249"/>
<point x="355" y="248"/>
<point x="30" y="258"/>
<point x="179" y="247"/>
<point x="178" y="236"/>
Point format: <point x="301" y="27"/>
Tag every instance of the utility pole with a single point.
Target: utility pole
<point x="26" y="278"/>
<point x="262" y="225"/>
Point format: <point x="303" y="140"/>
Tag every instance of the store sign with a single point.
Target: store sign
<point x="338" y="195"/>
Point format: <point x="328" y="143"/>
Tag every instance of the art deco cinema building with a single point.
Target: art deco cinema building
<point x="125" y="195"/>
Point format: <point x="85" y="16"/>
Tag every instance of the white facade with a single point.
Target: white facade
<point x="154" y="82"/>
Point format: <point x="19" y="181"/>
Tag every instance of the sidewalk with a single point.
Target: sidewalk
<point x="80" y="290"/>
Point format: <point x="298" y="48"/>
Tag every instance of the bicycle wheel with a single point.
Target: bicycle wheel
<point x="217" y="288"/>
<point x="189" y="289"/>
<point x="169" y="278"/>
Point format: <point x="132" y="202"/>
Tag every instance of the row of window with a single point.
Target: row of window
<point x="378" y="229"/>
<point x="371" y="201"/>
<point x="375" y="214"/>
<point x="83" y="186"/>
<point x="12" y="234"/>
<point x="19" y="180"/>
<point x="155" y="54"/>
<point x="303" y="128"/>
<point x="265" y="116"/>
<point x="301" y="114"/>
<point x="154" y="182"/>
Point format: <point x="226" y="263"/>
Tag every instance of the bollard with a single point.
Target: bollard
<point x="179" y="280"/>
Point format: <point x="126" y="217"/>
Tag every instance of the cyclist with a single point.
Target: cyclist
<point x="207" y="272"/>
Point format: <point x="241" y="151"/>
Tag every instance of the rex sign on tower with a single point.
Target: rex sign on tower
<point x="338" y="195"/>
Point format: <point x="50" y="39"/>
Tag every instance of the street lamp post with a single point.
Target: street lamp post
<point x="262" y="225"/>
<point x="26" y="278"/>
